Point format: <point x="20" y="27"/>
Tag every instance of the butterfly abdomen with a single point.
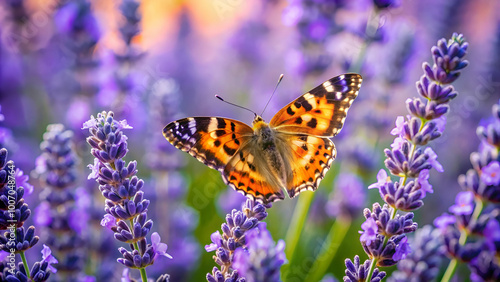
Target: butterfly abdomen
<point x="268" y="147"/>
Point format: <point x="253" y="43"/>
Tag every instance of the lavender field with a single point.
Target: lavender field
<point x="91" y="190"/>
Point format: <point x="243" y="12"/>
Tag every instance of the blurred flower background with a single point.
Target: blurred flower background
<point x="152" y="62"/>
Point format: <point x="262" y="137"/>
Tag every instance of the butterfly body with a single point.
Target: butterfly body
<point x="291" y="153"/>
<point x="271" y="150"/>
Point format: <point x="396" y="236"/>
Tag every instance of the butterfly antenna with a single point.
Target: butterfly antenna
<point x="276" y="87"/>
<point x="220" y="98"/>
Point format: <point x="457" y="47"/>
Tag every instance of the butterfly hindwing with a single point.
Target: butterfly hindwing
<point x="310" y="158"/>
<point x="211" y="140"/>
<point x="249" y="173"/>
<point x="322" y="110"/>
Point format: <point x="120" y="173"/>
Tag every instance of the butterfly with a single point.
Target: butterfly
<point x="292" y="152"/>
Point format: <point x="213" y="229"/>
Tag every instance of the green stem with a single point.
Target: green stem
<point x="144" y="276"/>
<point x="297" y="224"/>
<point x="450" y="270"/>
<point x="332" y="242"/>
<point x="25" y="264"/>
<point x="372" y="268"/>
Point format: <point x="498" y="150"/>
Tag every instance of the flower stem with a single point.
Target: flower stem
<point x="332" y="242"/>
<point x="450" y="270"/>
<point x="372" y="268"/>
<point x="144" y="276"/>
<point x="298" y="219"/>
<point x="25" y="264"/>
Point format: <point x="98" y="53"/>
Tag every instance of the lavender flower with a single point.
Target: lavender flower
<point x="370" y="230"/>
<point x="64" y="221"/>
<point x="121" y="188"/>
<point x="121" y="88"/>
<point x="490" y="174"/>
<point x="481" y="188"/>
<point x="79" y="35"/>
<point x="233" y="236"/>
<point x="360" y="272"/>
<point x="422" y="264"/>
<point x="464" y="204"/>
<point x="16" y="239"/>
<point x="262" y="259"/>
<point x="387" y="243"/>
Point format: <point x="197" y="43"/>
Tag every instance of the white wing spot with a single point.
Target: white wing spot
<point x="328" y="86"/>
<point x="212" y="126"/>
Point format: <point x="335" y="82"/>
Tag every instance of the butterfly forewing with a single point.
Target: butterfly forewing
<point x="322" y="110"/>
<point x="211" y="140"/>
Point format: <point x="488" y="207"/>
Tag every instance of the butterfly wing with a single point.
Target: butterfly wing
<point x="249" y="173"/>
<point x="321" y="111"/>
<point x="305" y="125"/>
<point x="211" y="140"/>
<point x="227" y="146"/>
<point x="309" y="158"/>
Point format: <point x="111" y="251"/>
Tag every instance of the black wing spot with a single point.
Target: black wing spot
<point x="310" y="179"/>
<point x="304" y="147"/>
<point x="232" y="177"/>
<point x="298" y="120"/>
<point x="312" y="160"/>
<point x="241" y="184"/>
<point x="307" y="106"/>
<point x="252" y="167"/>
<point x="298" y="103"/>
<point x="233" y="127"/>
<point x="252" y="181"/>
<point x="312" y="123"/>
<point x="219" y="133"/>
<point x="228" y="150"/>
<point x="289" y="111"/>
<point x="303" y="138"/>
<point x="201" y="125"/>
<point x="217" y="143"/>
<point x="236" y="141"/>
<point x="221" y="123"/>
<point x="318" y="111"/>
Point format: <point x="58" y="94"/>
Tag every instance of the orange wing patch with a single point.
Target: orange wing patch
<point x="310" y="159"/>
<point x="211" y="140"/>
<point x="321" y="111"/>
